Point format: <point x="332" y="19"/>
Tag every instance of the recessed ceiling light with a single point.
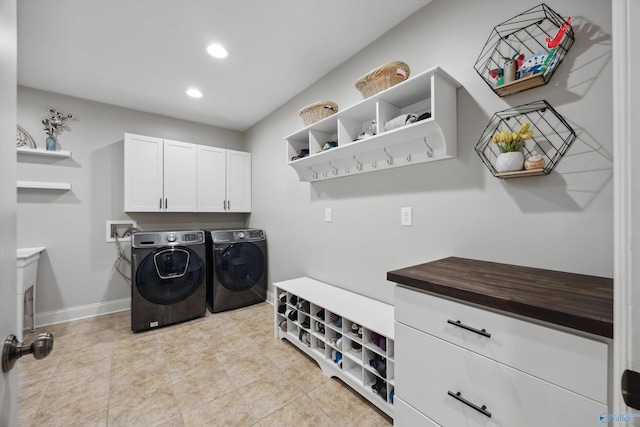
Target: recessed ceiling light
<point x="217" y="51"/>
<point x="194" y="93"/>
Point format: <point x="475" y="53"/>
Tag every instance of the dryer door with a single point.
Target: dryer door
<point x="170" y="275"/>
<point x="240" y="266"/>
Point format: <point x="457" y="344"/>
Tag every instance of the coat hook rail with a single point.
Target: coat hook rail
<point x="429" y="149"/>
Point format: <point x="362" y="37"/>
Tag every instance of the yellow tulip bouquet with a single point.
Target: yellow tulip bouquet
<point x="514" y="141"/>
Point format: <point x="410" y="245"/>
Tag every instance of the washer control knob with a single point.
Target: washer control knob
<point x="241" y="235"/>
<point x="171" y="238"/>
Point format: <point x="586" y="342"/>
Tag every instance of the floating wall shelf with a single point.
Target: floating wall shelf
<point x="41" y="185"/>
<point x="431" y="139"/>
<point x="552" y="137"/>
<point x="43" y="152"/>
<point x="540" y="34"/>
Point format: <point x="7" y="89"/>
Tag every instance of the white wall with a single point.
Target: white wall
<point x="562" y="221"/>
<point x="76" y="276"/>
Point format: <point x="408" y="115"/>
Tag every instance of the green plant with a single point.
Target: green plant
<point x="508" y="142"/>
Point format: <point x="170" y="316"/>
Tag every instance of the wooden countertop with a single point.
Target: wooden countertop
<point x="573" y="300"/>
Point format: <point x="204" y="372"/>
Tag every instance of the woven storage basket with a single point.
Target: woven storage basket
<point x="318" y="111"/>
<point x="383" y="78"/>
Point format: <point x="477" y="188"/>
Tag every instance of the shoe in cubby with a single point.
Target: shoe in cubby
<point x="335" y="320"/>
<point x="379" y="363"/>
<point x="380" y="388"/>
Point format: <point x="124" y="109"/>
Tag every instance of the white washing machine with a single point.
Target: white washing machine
<point x="168" y="278"/>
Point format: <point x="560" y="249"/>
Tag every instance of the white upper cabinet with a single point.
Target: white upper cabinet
<point x="143" y="173"/>
<point x="212" y="179"/>
<point x="180" y="176"/>
<point x="172" y="176"/>
<point x="238" y="181"/>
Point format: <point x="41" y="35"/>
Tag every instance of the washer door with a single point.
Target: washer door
<point x="170" y="275"/>
<point x="240" y="266"/>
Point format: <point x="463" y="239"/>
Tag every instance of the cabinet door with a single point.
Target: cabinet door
<point x="238" y="181"/>
<point x="180" y="176"/>
<point x="211" y="179"/>
<point x="143" y="172"/>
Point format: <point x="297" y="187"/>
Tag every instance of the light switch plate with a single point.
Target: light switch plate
<point x="327" y="215"/>
<point x="405" y="217"/>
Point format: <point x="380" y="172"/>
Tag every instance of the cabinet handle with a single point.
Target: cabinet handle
<point x="459" y="324"/>
<point x="160" y="203"/>
<point x="482" y="409"/>
<point x="228" y="204"/>
<point x="165" y="203"/>
<point x="224" y="205"/>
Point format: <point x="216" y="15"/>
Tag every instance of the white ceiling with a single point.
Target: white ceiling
<point x="144" y="54"/>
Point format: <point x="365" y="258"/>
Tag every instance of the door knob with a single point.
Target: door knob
<point x="13" y="350"/>
<point x="631" y="388"/>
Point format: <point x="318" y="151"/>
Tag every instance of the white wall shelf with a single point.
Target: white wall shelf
<point x="65" y="186"/>
<point x="432" y="139"/>
<point x="43" y="152"/>
<point x="313" y="315"/>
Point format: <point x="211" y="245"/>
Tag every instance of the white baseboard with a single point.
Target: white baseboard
<point x="91" y="310"/>
<point x="82" y="312"/>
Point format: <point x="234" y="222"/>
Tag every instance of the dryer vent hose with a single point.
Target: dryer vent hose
<point x="122" y="264"/>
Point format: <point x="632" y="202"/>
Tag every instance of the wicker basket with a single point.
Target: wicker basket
<point x="383" y="78"/>
<point x="318" y="111"/>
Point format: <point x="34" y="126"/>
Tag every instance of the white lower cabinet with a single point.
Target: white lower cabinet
<point x="349" y="335"/>
<point x="461" y="365"/>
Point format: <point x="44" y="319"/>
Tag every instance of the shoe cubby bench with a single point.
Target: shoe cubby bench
<point x="350" y="336"/>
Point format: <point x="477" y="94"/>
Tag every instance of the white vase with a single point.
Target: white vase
<point x="507" y="162"/>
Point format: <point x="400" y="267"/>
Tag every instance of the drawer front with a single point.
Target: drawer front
<point x="428" y="369"/>
<point x="404" y="415"/>
<point x="570" y="361"/>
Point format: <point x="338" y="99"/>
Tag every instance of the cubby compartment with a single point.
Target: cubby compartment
<point x="352" y="348"/>
<point x="352" y="368"/>
<point x="376" y="385"/>
<point x="524" y="51"/>
<point x="402" y="143"/>
<point x="374" y="341"/>
<point x="552" y="137"/>
<point x="336" y="335"/>
<point x="334" y="321"/>
<point x="317" y="312"/>
<point x="375" y="363"/>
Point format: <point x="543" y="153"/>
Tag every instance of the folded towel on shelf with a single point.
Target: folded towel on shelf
<point x="401" y="120"/>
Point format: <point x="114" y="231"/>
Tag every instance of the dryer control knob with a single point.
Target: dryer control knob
<point x="241" y="235"/>
<point x="171" y="238"/>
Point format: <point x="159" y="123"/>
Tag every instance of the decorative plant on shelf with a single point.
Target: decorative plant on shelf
<point x="510" y="144"/>
<point x="54" y="125"/>
<point x="514" y="141"/>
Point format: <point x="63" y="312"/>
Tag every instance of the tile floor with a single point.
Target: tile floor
<point x="224" y="369"/>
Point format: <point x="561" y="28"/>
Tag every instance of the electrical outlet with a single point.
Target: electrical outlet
<point x="119" y="227"/>
<point x="405" y="217"/>
<point x="327" y="214"/>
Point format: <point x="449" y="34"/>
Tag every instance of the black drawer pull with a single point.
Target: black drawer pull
<point x="457" y="323"/>
<point x="482" y="409"/>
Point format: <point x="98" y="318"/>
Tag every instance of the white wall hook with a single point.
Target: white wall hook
<point x="429" y="149"/>
<point x="390" y="159"/>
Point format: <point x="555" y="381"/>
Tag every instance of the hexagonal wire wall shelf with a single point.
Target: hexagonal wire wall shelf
<point x="552" y="137"/>
<point x="537" y="40"/>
